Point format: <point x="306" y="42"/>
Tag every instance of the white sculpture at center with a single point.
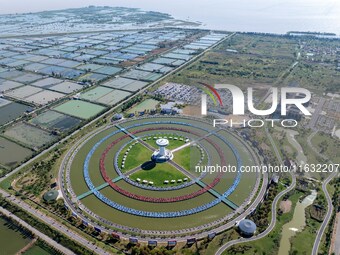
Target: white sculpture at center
<point x="162" y="154"/>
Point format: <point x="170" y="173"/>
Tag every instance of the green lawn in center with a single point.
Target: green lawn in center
<point x="189" y="157"/>
<point x="137" y="155"/>
<point x="158" y="174"/>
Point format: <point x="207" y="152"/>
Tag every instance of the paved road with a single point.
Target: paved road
<point x="328" y="198"/>
<point x="271" y="225"/>
<point x="274" y="204"/>
<point x="53" y="223"/>
<point x="327" y="217"/>
<point x="37" y="233"/>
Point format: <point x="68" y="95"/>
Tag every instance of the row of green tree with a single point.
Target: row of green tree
<point x="44" y="228"/>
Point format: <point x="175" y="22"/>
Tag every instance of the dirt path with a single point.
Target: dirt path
<point x="27" y="247"/>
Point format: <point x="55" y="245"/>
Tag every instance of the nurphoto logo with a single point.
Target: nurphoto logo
<point x="238" y="97"/>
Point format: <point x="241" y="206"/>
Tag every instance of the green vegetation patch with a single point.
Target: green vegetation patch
<point x="189" y="157"/>
<point x="137" y="155"/>
<point x="148" y="104"/>
<point x="80" y="109"/>
<point x="55" y="120"/>
<point x="37" y="250"/>
<point x="327" y="145"/>
<point x="11" y="154"/>
<point x="11" y="238"/>
<point x="268" y="245"/>
<point x="242" y="60"/>
<point x="29" y="135"/>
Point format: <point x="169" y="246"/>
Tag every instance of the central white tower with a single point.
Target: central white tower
<point x="162" y="154"/>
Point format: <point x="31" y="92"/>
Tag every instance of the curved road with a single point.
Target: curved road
<point x="327" y="217"/>
<point x="271" y="225"/>
<point x="274" y="204"/>
<point x="328" y="198"/>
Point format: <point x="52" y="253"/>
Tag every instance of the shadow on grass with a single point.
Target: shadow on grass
<point x="148" y="165"/>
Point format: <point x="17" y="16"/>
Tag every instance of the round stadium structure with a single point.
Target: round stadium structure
<point x="247" y="227"/>
<point x="51" y="196"/>
<point x="150" y="178"/>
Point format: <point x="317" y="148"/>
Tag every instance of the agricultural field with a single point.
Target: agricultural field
<point x="242" y="60"/>
<point x="27" y="78"/>
<point x="148" y="104"/>
<point x="108" y="70"/>
<point x="93" y="77"/>
<point x="4" y="102"/>
<point x="79" y="109"/>
<point x="178" y="56"/>
<point x="31" y="136"/>
<point x="125" y="84"/>
<point x="12" y="111"/>
<point x="44" y="97"/>
<point x="54" y="120"/>
<point x="168" y="61"/>
<point x="12" y="239"/>
<point x="7" y="156"/>
<point x="153" y="67"/>
<point x="142" y="75"/>
<point x="114" y="97"/>
<point x="96" y="93"/>
<point x="36" y="250"/>
<point x="7" y="85"/>
<point x="47" y="82"/>
<point x="23" y="92"/>
<point x="66" y="87"/>
<point x="105" y="95"/>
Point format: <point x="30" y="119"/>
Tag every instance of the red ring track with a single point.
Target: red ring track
<point x="152" y="199"/>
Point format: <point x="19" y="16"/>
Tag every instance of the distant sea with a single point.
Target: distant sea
<point x="269" y="16"/>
